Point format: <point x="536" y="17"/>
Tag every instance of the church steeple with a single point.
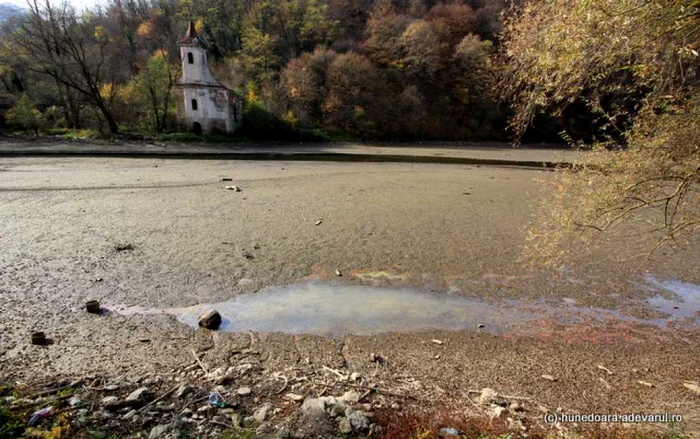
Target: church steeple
<point x="191" y="36"/>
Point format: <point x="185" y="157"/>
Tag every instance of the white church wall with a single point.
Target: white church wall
<point x="216" y="108"/>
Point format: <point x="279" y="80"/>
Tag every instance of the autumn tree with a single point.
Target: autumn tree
<point x="304" y="81"/>
<point x="152" y="91"/>
<point x="353" y="102"/>
<point x="24" y="114"/>
<point x="634" y="65"/>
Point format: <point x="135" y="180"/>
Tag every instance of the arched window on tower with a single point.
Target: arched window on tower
<point x="190" y="58"/>
<point x="194" y="104"/>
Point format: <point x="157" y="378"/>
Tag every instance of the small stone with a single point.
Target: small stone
<point x="38" y="338"/>
<point x="359" y="421"/>
<point x="338" y="273"/>
<point x="436" y="341"/>
<point x="481" y="326"/>
<point x="236" y="420"/>
<point x="92" y="306"/>
<point x="158" y="431"/>
<point x="318" y="223"/>
<point x="496" y="411"/>
<point x="692" y="386"/>
<point x="261" y="413"/>
<point x="186" y="412"/>
<point x="549" y="377"/>
<point x="313" y="405"/>
<point x="184" y="390"/>
<point x="344" y="426"/>
<point x="515" y="407"/>
<point x="338" y="410"/>
<point x="351" y="396"/>
<point x="488" y="396"/>
<point x="233" y="188"/>
<point x="294" y="397"/>
<point x="109" y="401"/>
<point x="355" y="376"/>
<point x="111" y="387"/>
<point x="646" y="383"/>
<point x="139" y="394"/>
<point x="376" y="358"/>
<point x="74" y="401"/>
<point x="244" y="391"/>
<point x="210" y="320"/>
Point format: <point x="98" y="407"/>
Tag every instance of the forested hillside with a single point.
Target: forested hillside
<point x="366" y="68"/>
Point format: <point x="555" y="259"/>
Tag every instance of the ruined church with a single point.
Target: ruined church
<point x="205" y="105"/>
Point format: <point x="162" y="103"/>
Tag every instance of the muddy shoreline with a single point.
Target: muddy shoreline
<point x="454" y="229"/>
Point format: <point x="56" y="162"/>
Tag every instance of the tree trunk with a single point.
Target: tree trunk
<point x="109" y="118"/>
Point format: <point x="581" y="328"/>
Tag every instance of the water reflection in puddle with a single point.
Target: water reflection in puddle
<point x="687" y="304"/>
<point x="336" y="309"/>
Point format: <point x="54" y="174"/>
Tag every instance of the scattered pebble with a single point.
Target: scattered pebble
<point x="692" y="386"/>
<point x="488" y="396"/>
<point x="261" y="414"/>
<point x="139" y="394"/>
<point x="210" y="320"/>
<point x="92" y="306"/>
<point x="244" y="391"/>
<point x="159" y="431"/>
<point x="38" y="338"/>
<point x="109" y="401"/>
<point x="549" y="377"/>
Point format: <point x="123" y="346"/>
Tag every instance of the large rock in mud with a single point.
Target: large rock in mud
<point x="210" y="320"/>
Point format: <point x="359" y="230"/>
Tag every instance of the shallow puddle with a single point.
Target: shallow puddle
<point x="335" y="309"/>
<point x="686" y="305"/>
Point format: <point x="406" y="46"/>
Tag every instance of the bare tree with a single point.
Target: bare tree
<point x="73" y="50"/>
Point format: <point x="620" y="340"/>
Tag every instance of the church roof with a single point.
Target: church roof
<point x="191" y="36"/>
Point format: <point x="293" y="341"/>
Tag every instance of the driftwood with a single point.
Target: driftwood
<point x="161" y="397"/>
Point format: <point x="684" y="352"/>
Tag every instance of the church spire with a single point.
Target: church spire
<point x="191" y="36"/>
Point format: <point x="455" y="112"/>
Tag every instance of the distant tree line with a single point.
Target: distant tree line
<point x="393" y="69"/>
